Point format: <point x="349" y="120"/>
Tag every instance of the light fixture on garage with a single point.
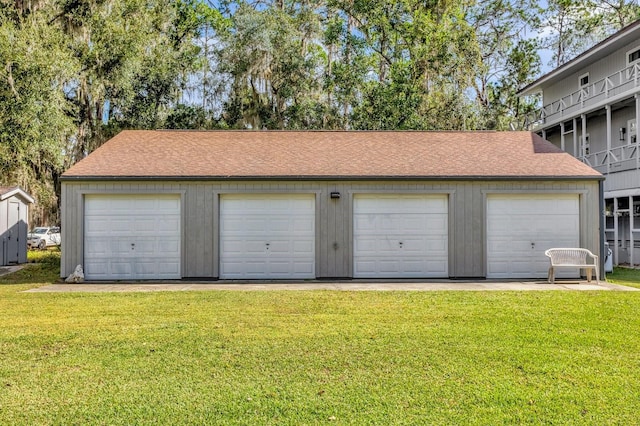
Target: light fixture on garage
<point x="622" y="133"/>
<point x="335" y="194"/>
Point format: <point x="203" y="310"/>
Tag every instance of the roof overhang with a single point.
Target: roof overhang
<point x="16" y="191"/>
<point x="327" y="178"/>
<point x="604" y="48"/>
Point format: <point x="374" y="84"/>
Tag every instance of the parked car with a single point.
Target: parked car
<point x="43" y="237"/>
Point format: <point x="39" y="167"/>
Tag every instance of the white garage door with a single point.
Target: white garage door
<point x="267" y="236"/>
<point x="400" y="236"/>
<point x="520" y="227"/>
<point x="131" y="237"/>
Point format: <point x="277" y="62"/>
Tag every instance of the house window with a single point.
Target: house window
<point x="633" y="56"/>
<point x="568" y="127"/>
<point x="584" y="80"/>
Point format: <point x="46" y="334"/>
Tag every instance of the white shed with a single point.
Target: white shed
<point x="14" y="218"/>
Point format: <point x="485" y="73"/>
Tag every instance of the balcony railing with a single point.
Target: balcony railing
<point x="623" y="81"/>
<point x="617" y="159"/>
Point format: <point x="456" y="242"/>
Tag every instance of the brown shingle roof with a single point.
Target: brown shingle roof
<point x="327" y="154"/>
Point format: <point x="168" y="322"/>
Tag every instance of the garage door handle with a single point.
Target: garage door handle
<point x="133" y="246"/>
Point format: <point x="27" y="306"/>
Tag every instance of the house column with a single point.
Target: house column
<point x="562" y="136"/>
<point x="583" y="136"/>
<point x="544" y="134"/>
<point x="608" y="109"/>
<point x="615" y="231"/>
<point x="575" y="138"/>
<point x="631" y="244"/>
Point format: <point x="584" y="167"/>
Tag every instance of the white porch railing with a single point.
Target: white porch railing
<point x="619" y="158"/>
<point x="622" y="81"/>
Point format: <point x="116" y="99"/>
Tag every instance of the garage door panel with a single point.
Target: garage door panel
<point x="438" y="266"/>
<point x="363" y="223"/>
<point x="233" y="269"/>
<point x="436" y="223"/>
<point x="279" y="247"/>
<point x="303" y="268"/>
<point x="415" y="266"/>
<point x="145" y="246"/>
<point x="146" y="225"/>
<point x="398" y="235"/>
<point x="418" y="224"/>
<point x="388" y="266"/>
<point x="279" y="225"/>
<point x="290" y="266"/>
<point x="122" y="225"/>
<point x="145" y="267"/>
<point x="304" y="225"/>
<point x="168" y="246"/>
<point x="515" y="221"/>
<point x="303" y="247"/>
<point x="120" y="268"/>
<point x="437" y="245"/>
<point x="265" y="236"/>
<point x="277" y="267"/>
<point x="361" y="267"/>
<point x="232" y="224"/>
<point x="251" y="246"/>
<point x="257" y="225"/>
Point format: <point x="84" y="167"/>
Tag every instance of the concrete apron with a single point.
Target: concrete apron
<point x="351" y="285"/>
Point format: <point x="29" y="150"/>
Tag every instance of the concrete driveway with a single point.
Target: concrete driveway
<point x="350" y="285"/>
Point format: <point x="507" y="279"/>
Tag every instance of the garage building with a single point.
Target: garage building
<point x="238" y="205"/>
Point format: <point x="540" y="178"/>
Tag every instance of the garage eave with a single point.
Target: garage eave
<point x="340" y="178"/>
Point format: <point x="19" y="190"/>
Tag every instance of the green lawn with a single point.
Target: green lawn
<point x="321" y="357"/>
<point x="625" y="276"/>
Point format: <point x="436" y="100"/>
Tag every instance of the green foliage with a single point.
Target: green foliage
<point x="35" y="119"/>
<point x="272" y="60"/>
<point x="188" y="117"/>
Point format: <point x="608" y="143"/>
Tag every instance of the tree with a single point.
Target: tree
<point x="509" y="59"/>
<point x="576" y="25"/>
<point x="35" y="118"/>
<point x="421" y="57"/>
<point x="272" y="61"/>
<point x="132" y="55"/>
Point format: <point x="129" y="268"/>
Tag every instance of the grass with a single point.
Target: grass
<point x="625" y="276"/>
<point x="316" y="357"/>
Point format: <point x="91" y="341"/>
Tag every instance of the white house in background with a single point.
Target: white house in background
<point x="591" y="109"/>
